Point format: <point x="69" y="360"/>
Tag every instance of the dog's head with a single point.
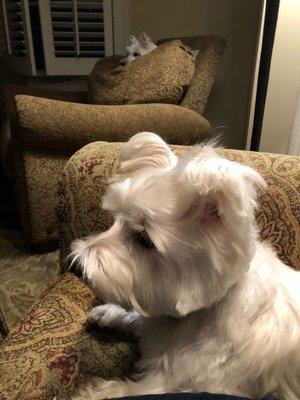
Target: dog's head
<point x="138" y="47"/>
<point x="183" y="233"/>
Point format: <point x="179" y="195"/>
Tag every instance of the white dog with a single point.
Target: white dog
<point x="214" y="309"/>
<point x="138" y="47"/>
<point x="144" y="45"/>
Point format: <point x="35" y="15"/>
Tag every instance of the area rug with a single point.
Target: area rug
<point x="24" y="277"/>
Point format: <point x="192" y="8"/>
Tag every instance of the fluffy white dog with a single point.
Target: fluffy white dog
<point x="138" y="47"/>
<point x="214" y="309"/>
<point x="144" y="45"/>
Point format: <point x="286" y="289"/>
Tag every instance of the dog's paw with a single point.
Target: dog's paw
<point x="106" y="315"/>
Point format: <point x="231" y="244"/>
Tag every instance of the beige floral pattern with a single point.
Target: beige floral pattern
<point x="52" y="350"/>
<point x="278" y="217"/>
<point x="88" y="170"/>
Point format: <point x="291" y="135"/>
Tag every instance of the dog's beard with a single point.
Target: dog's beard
<point x="190" y="278"/>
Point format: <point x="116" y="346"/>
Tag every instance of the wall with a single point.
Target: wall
<point x="239" y="22"/>
<point x="165" y="18"/>
<point x="284" y="81"/>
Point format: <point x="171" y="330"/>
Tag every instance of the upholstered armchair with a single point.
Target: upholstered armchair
<point x="48" y="128"/>
<point x="53" y="351"/>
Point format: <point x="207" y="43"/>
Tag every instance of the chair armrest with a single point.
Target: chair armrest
<point x="52" y="350"/>
<point x="9" y="92"/>
<point x="85" y="176"/>
<point x="62" y="125"/>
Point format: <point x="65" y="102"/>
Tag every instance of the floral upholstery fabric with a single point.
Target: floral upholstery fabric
<point x="85" y="178"/>
<point x="44" y="141"/>
<point x="88" y="171"/>
<point x="24" y="277"/>
<point x="52" y="351"/>
<point x="36" y="182"/>
<point x="278" y="216"/>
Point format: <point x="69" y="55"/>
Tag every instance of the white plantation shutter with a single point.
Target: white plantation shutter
<point x="16" y="39"/>
<point x="75" y="34"/>
<point x="78" y="28"/>
<point x="15" y="27"/>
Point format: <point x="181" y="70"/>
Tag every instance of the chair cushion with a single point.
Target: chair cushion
<point x="52" y="351"/>
<point x="161" y="76"/>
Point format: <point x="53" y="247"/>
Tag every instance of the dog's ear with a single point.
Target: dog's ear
<point x="222" y="207"/>
<point x="133" y="41"/>
<point x="144" y="38"/>
<point x="145" y="150"/>
<point x="223" y="186"/>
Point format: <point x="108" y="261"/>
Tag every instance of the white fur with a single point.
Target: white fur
<point x="138" y="47"/>
<point x="144" y="45"/>
<point x="214" y="309"/>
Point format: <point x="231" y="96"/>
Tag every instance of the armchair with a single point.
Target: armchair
<point x="52" y="350"/>
<point x="46" y="131"/>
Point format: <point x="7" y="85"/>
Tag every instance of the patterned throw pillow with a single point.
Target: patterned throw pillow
<point x="161" y="76"/>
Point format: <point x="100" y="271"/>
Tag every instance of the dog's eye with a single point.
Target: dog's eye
<point x="136" y="54"/>
<point x="144" y="240"/>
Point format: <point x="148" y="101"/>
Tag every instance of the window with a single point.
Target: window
<point x="16" y="35"/>
<point x="62" y="37"/>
